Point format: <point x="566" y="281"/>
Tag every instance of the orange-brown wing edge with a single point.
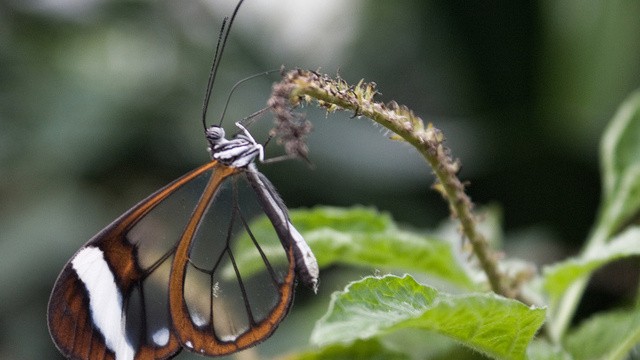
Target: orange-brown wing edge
<point x="71" y="322"/>
<point x="202" y="340"/>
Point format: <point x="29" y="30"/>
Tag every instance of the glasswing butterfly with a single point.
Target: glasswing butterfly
<point x="164" y="276"/>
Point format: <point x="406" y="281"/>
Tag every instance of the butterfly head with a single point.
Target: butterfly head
<point x="238" y="152"/>
<point x="215" y="135"/>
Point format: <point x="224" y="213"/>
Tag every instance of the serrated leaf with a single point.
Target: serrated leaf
<point x="559" y="277"/>
<point x="620" y="157"/>
<point x="609" y="336"/>
<point x="363" y="349"/>
<point x="359" y="236"/>
<point x="499" y="327"/>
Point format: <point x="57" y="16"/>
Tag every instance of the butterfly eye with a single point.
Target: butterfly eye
<point x="214" y="134"/>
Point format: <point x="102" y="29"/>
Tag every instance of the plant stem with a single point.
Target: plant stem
<point x="336" y="94"/>
<point x="565" y="309"/>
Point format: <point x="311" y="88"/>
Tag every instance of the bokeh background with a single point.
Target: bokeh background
<point x="100" y="104"/>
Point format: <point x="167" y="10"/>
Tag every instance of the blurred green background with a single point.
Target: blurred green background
<point x="100" y="104"/>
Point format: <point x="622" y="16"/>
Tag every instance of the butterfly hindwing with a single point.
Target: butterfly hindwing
<point x="223" y="308"/>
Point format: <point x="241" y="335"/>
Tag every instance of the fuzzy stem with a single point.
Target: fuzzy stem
<point x="336" y="94"/>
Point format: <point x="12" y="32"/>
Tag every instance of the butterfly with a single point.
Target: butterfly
<point x="166" y="274"/>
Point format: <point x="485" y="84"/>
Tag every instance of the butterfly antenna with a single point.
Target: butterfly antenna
<point x="222" y="41"/>
<point x="240" y="82"/>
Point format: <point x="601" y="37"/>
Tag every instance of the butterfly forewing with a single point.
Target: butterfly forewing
<point x="155" y="237"/>
<point x="111" y="299"/>
<point x="156" y="234"/>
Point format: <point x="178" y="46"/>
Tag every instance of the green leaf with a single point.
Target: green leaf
<point x="499" y="327"/>
<point x="620" y="156"/>
<point x="355" y="219"/>
<point x="620" y="148"/>
<point x="620" y="161"/>
<point x="358" y="236"/>
<point x="394" y="249"/>
<point x="609" y="336"/>
<point x="361" y="349"/>
<point x="559" y="277"/>
<point x="543" y="350"/>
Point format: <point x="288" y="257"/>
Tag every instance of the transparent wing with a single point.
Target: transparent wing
<point x="217" y="307"/>
<point x="116" y="303"/>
